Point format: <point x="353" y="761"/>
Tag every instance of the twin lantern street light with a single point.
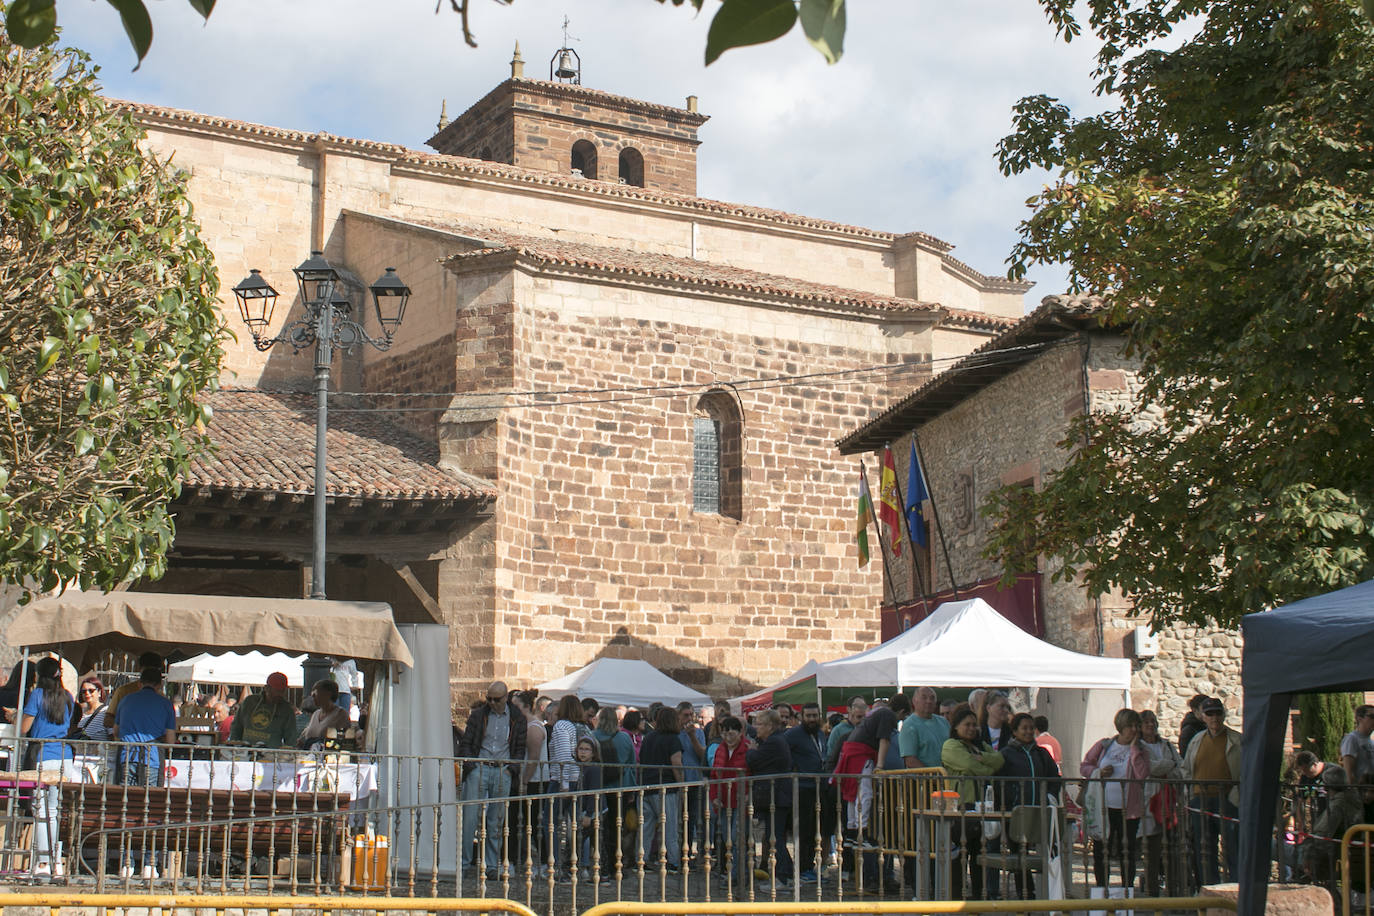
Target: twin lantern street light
<point x="326" y="324"/>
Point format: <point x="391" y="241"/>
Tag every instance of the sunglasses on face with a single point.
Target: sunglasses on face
<point x="496" y="699"/>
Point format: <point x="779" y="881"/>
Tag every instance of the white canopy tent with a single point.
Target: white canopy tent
<point x="623" y="682"/>
<point x="234" y="668"/>
<point x="968" y="644"/>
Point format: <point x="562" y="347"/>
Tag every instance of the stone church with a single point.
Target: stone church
<point x="608" y="423"/>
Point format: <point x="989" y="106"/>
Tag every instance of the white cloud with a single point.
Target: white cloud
<point x="900" y="135"/>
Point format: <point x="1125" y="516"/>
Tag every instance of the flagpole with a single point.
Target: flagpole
<point x="949" y="566"/>
<point x="882" y="545"/>
<point x="910" y="539"/>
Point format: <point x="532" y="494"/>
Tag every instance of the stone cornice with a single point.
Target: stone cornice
<point x="432" y="165"/>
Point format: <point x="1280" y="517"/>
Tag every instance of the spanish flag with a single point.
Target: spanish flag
<point x="888" y="513"/>
<point x="865" y="515"/>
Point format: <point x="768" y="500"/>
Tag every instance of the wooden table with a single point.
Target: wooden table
<point x="938" y="842"/>
<point x="261" y="823"/>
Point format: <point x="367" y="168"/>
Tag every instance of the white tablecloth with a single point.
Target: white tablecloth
<point x="358" y="780"/>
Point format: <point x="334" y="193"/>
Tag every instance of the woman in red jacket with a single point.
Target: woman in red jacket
<point x="1121" y="765"/>
<point x="727" y="775"/>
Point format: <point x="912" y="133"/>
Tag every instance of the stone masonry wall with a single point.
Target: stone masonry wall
<point x="1008" y="432"/>
<point x="599" y="550"/>
<point x="1191" y="660"/>
<point x="547" y="124"/>
<point x="544" y="143"/>
<point x="257" y="202"/>
<point x="534" y="124"/>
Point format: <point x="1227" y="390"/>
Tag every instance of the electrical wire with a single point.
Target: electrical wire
<point x="548" y="398"/>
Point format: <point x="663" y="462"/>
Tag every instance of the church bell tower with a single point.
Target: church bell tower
<point x="560" y="126"/>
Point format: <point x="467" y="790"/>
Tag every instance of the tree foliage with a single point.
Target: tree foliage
<point x="1323" y="720"/>
<point x="1229" y="193"/>
<point x="737" y="23"/>
<point x="109" y="331"/>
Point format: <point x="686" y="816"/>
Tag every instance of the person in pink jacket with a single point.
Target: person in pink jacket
<point x="1122" y="765"/>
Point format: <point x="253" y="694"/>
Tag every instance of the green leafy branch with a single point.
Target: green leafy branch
<point x="736" y="24"/>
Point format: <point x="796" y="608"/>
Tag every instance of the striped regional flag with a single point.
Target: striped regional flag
<point x="865" y="515"/>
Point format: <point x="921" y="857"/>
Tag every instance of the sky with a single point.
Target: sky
<point x="899" y="136"/>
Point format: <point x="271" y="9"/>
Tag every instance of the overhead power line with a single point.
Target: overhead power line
<point x="573" y="397"/>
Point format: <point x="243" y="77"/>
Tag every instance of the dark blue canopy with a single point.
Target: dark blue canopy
<point x="1316" y="645"/>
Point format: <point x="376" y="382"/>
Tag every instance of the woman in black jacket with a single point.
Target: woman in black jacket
<point x="1029" y="774"/>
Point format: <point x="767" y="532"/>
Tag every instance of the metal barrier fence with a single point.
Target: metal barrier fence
<point x="327" y="905"/>
<point x="232" y="820"/>
<point x="1200" y="905"/>
<point x="1355" y="893"/>
<point x="56" y="902"/>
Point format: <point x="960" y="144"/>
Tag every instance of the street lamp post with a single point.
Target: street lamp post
<point x="327" y="324"/>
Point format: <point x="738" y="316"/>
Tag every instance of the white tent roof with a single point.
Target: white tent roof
<point x="968" y="644"/>
<point x="623" y="681"/>
<point x="251" y="668"/>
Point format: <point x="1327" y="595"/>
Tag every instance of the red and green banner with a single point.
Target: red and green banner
<point x="888" y="512"/>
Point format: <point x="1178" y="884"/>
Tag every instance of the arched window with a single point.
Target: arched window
<point x="717" y="456"/>
<point x="584" y="158"/>
<point x="632" y="167"/>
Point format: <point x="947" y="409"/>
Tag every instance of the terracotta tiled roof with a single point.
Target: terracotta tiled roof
<point x="980" y="320"/>
<point x="401" y="156"/>
<point x="481" y="167"/>
<point x="501" y="243"/>
<point x="1057" y="318"/>
<point x="265" y="441"/>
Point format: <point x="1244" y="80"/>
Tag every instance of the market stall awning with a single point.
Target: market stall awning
<point x="797" y="688"/>
<point x="81" y="625"/>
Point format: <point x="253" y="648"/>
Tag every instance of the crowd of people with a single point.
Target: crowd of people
<point x="121" y="729"/>
<point x="1328" y="798"/>
<point x="1159" y="816"/>
<point x="265" y="718"/>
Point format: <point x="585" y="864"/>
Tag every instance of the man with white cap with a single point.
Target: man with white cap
<point x="266" y="719"/>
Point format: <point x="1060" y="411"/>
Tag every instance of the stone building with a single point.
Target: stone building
<point x="996" y="418"/>
<point x="605" y="425"/>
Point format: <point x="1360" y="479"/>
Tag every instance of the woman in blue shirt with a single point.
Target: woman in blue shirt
<point x="48" y="715"/>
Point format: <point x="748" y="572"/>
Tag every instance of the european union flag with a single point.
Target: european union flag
<point x="916" y="495"/>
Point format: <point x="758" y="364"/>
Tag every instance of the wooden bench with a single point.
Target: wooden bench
<point x="264" y="822"/>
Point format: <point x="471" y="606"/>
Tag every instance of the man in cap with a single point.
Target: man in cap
<point x="1214" y="754"/>
<point x="266" y="719"/>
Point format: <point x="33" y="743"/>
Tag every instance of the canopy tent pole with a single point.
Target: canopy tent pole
<point x="18" y="757"/>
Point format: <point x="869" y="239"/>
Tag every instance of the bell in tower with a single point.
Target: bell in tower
<point x="566" y="65"/>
